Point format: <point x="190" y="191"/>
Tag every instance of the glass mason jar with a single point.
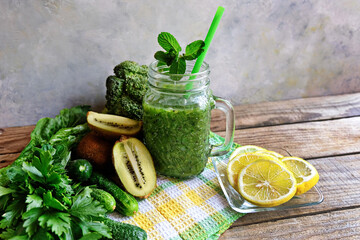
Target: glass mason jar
<point x="177" y="118"/>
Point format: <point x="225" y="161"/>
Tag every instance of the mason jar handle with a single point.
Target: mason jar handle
<point x="227" y="108"/>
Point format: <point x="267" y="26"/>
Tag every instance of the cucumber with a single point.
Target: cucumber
<point x="80" y="169"/>
<point x="126" y="204"/>
<point x="104" y="198"/>
<point x="121" y="231"/>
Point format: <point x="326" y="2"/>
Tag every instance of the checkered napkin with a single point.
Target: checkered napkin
<point x="190" y="209"/>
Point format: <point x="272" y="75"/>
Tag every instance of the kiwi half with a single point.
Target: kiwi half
<point x="134" y="166"/>
<point x="112" y="126"/>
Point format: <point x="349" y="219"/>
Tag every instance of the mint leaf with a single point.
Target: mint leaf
<point x="194" y="49"/>
<point x="178" y="67"/>
<point x="168" y="42"/>
<point x="166" y="57"/>
<point x="176" y="63"/>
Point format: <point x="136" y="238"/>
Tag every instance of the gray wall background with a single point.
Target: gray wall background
<point x="58" y="53"/>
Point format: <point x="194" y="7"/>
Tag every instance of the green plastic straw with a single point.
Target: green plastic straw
<point x="209" y="37"/>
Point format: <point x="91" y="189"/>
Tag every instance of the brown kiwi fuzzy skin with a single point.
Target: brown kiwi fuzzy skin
<point x="96" y="149"/>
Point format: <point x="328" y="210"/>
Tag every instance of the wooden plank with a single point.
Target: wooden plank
<point x="332" y="225"/>
<point x="7" y="159"/>
<point x="290" y="111"/>
<point x="14" y="139"/>
<point x="339" y="182"/>
<point x="306" y="140"/>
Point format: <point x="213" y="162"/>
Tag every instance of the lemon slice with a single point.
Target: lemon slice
<point x="240" y="161"/>
<point x="275" y="154"/>
<point x="245" y="149"/>
<point x="267" y="183"/>
<point x="305" y="173"/>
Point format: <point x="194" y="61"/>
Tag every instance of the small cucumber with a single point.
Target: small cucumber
<point x="121" y="231"/>
<point x="104" y="198"/>
<point x="80" y="169"/>
<point x="126" y="204"/>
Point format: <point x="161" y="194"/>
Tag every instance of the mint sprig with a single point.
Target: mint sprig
<point x="172" y="58"/>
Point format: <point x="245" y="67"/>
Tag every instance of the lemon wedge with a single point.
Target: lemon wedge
<point x="267" y="183"/>
<point x="245" y="149"/>
<point x="305" y="174"/>
<point x="240" y="161"/>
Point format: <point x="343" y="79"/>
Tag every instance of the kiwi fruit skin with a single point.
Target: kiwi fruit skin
<point x="112" y="126"/>
<point x="96" y="150"/>
<point x="134" y="167"/>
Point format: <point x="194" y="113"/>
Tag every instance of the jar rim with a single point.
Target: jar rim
<point x="204" y="69"/>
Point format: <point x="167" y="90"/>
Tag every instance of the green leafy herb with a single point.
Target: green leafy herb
<point x="172" y="57"/>
<point x="194" y="49"/>
<point x="65" y="129"/>
<point x="168" y="42"/>
<point x="41" y="203"/>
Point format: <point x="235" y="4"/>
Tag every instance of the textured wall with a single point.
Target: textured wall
<point x="58" y="53"/>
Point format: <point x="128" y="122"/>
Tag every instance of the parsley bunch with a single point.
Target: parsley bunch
<point x="41" y="203"/>
<point x="172" y="58"/>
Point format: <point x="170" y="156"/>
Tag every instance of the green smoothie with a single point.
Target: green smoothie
<point x="178" y="138"/>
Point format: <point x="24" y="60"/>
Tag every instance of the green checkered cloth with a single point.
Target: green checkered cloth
<point x="190" y="209"/>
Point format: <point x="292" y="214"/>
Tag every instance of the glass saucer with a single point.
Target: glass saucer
<point x="312" y="197"/>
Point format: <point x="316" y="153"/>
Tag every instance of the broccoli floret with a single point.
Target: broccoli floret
<point x="125" y="90"/>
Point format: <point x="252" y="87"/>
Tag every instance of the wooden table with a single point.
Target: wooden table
<point x="323" y="130"/>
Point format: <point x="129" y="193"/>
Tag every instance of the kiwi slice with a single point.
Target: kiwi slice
<point x="112" y="126"/>
<point x="134" y="166"/>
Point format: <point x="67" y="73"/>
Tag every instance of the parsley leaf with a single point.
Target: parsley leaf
<point x="34" y="201"/>
<point x="13" y="212"/>
<point x="85" y="207"/>
<point x="31" y="217"/>
<point x="33" y="172"/>
<point x="40" y="203"/>
<point x="51" y="202"/>
<point x="4" y="191"/>
<point x="59" y="222"/>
